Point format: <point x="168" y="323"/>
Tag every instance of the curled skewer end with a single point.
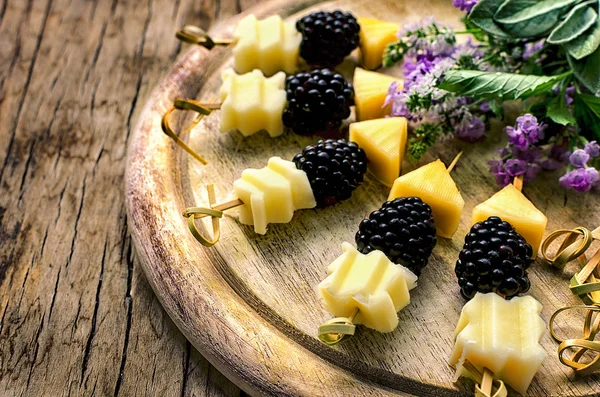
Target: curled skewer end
<point x="191" y="105"/>
<point x="337" y="329"/>
<point x="196" y="35"/>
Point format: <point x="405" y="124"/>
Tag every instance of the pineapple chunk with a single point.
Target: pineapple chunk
<point x="433" y="184"/>
<point x="375" y="35"/>
<point x="384" y="142"/>
<point x="513" y="207"/>
<point x="370" y="89"/>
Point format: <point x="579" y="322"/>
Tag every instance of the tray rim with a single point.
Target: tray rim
<point x="153" y="163"/>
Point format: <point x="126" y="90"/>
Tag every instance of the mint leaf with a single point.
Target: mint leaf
<point x="504" y="86"/>
<point x="558" y="112"/>
<point x="530" y="18"/>
<point x="587" y="71"/>
<point x="577" y="21"/>
<point x="585" y="44"/>
<point x="482" y="15"/>
<point x="587" y="113"/>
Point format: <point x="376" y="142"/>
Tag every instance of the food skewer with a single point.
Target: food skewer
<point x="320" y="39"/>
<point x="369" y="284"/>
<point x="494" y="333"/>
<point x="307" y="103"/>
<point x="322" y="175"/>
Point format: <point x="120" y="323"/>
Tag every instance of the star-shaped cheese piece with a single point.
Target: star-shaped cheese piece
<point x="251" y="102"/>
<point x="272" y="194"/>
<point x="270" y="45"/>
<point x="502" y="336"/>
<point x="513" y="207"/>
<point x="371" y="283"/>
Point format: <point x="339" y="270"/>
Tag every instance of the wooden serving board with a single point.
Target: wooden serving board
<point x="249" y="304"/>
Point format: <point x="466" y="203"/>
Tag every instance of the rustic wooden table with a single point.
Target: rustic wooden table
<point x="77" y="316"/>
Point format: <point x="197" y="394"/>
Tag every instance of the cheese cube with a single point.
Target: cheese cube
<point x="502" y="336"/>
<point x="375" y="35"/>
<point x="513" y="207"/>
<point x="370" y="283"/>
<point x="251" y="102"/>
<point x="370" y="90"/>
<point x="433" y="184"/>
<point x="270" y="45"/>
<point x="272" y="194"/>
<point x="384" y="142"/>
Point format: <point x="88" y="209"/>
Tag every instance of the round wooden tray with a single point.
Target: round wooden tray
<point x="249" y="303"/>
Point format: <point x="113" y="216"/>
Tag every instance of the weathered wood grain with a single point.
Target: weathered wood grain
<point x="249" y="304"/>
<point x="77" y="316"/>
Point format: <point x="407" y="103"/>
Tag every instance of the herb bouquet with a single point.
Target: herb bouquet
<point x="544" y="52"/>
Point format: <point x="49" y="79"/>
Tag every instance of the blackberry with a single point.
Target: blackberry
<point x="495" y="258"/>
<point x="403" y="229"/>
<point x="327" y="37"/>
<point x="317" y="101"/>
<point x="334" y="169"/>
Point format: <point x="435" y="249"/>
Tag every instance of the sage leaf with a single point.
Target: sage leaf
<point x="530" y="18"/>
<point x="587" y="71"/>
<point x="482" y="16"/>
<point x="558" y="112"/>
<point x="577" y="21"/>
<point x="490" y="85"/>
<point x="585" y="44"/>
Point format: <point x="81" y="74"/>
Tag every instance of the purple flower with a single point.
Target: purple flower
<point x="497" y="168"/>
<point x="558" y="156"/>
<point x="532" y="48"/>
<point x="464" y="5"/>
<point x="485" y="106"/>
<point x="592" y="149"/>
<point x="570" y="95"/>
<point x="580" y="179"/>
<point x="529" y="125"/>
<point x="579" y="158"/>
<point x="515" y="167"/>
<point x="471" y="130"/>
<point x="527" y="131"/>
<point x="517" y="137"/>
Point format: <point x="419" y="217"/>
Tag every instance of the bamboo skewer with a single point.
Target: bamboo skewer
<point x="195" y="35"/>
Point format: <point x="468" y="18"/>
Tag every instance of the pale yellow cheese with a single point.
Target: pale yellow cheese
<point x="270" y="45"/>
<point x="384" y="142"/>
<point x="513" y="207"/>
<point x="375" y="35"/>
<point x="433" y="184"/>
<point x="371" y="283"/>
<point x="502" y="336"/>
<point x="370" y="90"/>
<point x="251" y="102"/>
<point x="272" y="194"/>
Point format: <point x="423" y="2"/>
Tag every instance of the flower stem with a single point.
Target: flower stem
<point x="469" y="31"/>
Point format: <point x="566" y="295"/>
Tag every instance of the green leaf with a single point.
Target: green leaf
<point x="482" y="15"/>
<point x="558" y="112"/>
<point x="592" y="102"/>
<point x="577" y="21"/>
<point x="587" y="71"/>
<point x="497" y="107"/>
<point x="530" y="18"/>
<point x="587" y="113"/>
<point x="585" y="44"/>
<point x="504" y="86"/>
